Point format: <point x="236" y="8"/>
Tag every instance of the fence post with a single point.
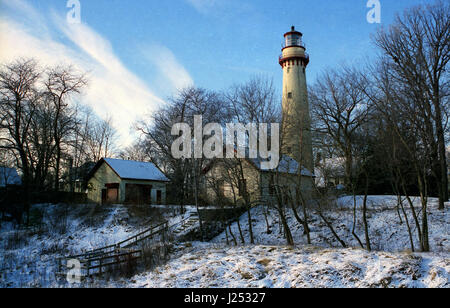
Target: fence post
<point x="88" y="267"/>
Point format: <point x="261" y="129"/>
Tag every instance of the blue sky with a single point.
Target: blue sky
<point x="139" y="52"/>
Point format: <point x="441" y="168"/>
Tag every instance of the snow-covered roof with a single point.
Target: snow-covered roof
<point x="286" y="165"/>
<point x="136" y="170"/>
<point x="9" y="176"/>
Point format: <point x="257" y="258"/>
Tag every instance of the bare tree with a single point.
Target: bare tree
<point x="339" y="108"/>
<point x="102" y="138"/>
<point x="252" y="102"/>
<point x="61" y="84"/>
<point x="38" y="120"/>
<point x="158" y="139"/>
<point x="137" y="151"/>
<point x="19" y="97"/>
<point x="417" y="48"/>
<point x="403" y="113"/>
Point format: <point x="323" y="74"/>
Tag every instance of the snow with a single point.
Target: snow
<point x="386" y="231"/>
<point x="209" y="266"/>
<point x="129" y="169"/>
<point x="27" y="257"/>
<point x="270" y="264"/>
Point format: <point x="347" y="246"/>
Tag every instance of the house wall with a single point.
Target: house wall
<point x="105" y="175"/>
<point x="96" y="183"/>
<point x="287" y="180"/>
<point x="218" y="173"/>
<point x="257" y="183"/>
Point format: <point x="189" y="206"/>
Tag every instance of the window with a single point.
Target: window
<point x="293" y="39"/>
<point x="290" y="95"/>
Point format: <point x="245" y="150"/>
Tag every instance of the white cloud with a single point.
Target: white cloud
<point x="203" y="6"/>
<point x="33" y="19"/>
<point x="168" y="66"/>
<point x="113" y="89"/>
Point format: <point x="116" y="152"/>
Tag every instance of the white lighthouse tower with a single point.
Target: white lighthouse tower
<point x="296" y="126"/>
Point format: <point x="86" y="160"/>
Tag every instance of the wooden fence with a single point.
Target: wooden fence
<point x="104" y="259"/>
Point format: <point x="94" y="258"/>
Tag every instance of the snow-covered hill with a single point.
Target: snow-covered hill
<point x="27" y="256"/>
<point x="208" y="265"/>
<point x="387" y="232"/>
<point x="270" y="264"/>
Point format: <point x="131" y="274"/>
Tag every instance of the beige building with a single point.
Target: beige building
<point x="113" y="181"/>
<point x="223" y="180"/>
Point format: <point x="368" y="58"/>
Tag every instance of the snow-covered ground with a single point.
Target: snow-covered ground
<point x="209" y="266"/>
<point x="387" y="233"/>
<point x="27" y="257"/>
<point x="268" y="263"/>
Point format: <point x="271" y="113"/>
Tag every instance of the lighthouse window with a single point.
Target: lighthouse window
<point x="293" y="40"/>
<point x="290" y="95"/>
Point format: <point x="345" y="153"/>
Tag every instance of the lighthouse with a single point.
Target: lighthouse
<point x="296" y="122"/>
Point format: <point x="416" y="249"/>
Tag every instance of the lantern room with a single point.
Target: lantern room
<point x="294" y="51"/>
<point x="293" y="38"/>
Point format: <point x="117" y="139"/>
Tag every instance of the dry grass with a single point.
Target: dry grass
<point x="264" y="262"/>
<point x="246" y="276"/>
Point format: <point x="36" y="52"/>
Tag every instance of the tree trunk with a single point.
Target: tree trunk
<point x="250" y="228"/>
<point x="354" y="222"/>
<point x="232" y="235"/>
<point x="366" y="225"/>
<point x="240" y="231"/>
<point x="424" y="201"/>
<point x="443" y="181"/>
<point x="57" y="167"/>
<point x="411" y="241"/>
<point x="297" y="217"/>
<point x="267" y="221"/>
<point x="330" y="226"/>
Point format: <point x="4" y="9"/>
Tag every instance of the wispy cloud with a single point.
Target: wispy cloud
<point x="33" y="19"/>
<point x="167" y="65"/>
<point x="203" y="6"/>
<point x="113" y="89"/>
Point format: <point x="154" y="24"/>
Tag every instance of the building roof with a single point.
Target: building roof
<point x="9" y="176"/>
<point x="286" y="165"/>
<point x="133" y="170"/>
